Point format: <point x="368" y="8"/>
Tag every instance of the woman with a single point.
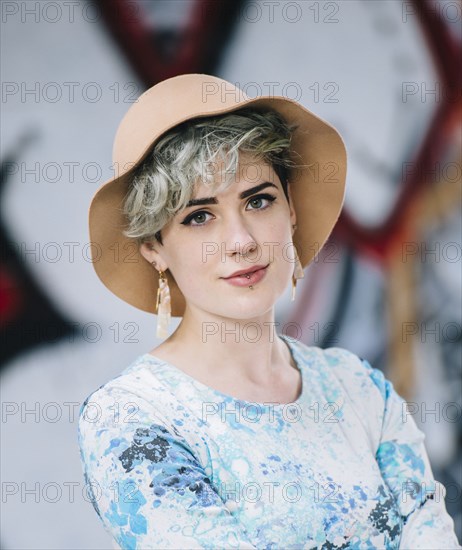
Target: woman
<point x="228" y="434"/>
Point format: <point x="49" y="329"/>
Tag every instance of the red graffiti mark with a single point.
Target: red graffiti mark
<point x="197" y="41"/>
<point x="11" y="296"/>
<point x="446" y="53"/>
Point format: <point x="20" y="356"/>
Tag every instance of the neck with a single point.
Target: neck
<point x="248" y="349"/>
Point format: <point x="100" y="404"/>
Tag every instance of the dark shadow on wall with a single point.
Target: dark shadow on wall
<point x="27" y="316"/>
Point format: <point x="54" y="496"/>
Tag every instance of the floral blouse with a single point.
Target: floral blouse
<point x="173" y="463"/>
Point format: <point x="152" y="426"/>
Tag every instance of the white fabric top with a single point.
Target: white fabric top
<point x="174" y="463"/>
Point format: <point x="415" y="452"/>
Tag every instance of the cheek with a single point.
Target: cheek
<point x="285" y="266"/>
<point x="283" y="237"/>
<point x="193" y="272"/>
<point x="285" y="256"/>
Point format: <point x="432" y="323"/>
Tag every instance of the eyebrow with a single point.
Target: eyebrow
<point x="243" y="195"/>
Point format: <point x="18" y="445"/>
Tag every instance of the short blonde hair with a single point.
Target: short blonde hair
<point x="164" y="183"/>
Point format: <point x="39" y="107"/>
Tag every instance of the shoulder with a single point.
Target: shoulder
<point x="125" y="418"/>
<point x="138" y="396"/>
<point x="353" y="371"/>
<point x="361" y="391"/>
<point x="123" y="385"/>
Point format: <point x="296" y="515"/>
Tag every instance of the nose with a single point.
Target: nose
<point x="237" y="237"/>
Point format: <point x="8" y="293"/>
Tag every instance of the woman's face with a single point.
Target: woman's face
<point x="247" y="225"/>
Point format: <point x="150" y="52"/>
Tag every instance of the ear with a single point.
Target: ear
<point x="293" y="215"/>
<point x="150" y="252"/>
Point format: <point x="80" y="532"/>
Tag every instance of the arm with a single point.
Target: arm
<point x="405" y="467"/>
<point x="149" y="489"/>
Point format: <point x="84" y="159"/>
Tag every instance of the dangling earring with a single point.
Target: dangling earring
<point x="163" y="306"/>
<point x="298" y="271"/>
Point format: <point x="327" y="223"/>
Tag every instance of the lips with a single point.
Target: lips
<point x="246" y="271"/>
<point x="247" y="277"/>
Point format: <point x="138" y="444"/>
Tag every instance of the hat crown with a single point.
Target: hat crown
<point x="166" y="105"/>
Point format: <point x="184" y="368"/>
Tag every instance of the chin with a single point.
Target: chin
<point x="250" y="309"/>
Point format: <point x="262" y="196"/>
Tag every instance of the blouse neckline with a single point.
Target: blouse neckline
<point x="290" y="342"/>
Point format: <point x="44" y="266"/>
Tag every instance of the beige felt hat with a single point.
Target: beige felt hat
<point x="317" y="187"/>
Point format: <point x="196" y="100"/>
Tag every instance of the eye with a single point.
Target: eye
<point x="258" y="202"/>
<point x="258" y="198"/>
<point x="200" y="214"/>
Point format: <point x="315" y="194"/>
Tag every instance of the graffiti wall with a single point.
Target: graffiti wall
<point x="387" y="285"/>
